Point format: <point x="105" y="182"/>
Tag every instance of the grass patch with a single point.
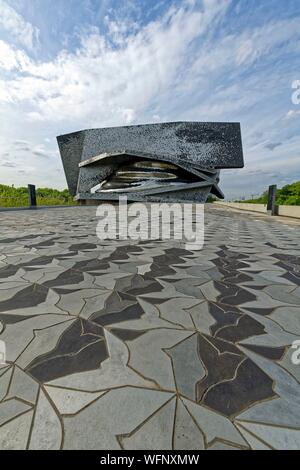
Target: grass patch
<point x="18" y="197"/>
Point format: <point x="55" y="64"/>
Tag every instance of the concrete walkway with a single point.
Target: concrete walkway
<point x="126" y="345"/>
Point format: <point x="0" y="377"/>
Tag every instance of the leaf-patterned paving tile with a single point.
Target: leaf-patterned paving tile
<point x="8" y="271"/>
<point x="70" y="276"/>
<point x="245" y="327"/>
<point x="291" y="264"/>
<point x="138" y="285"/>
<point x="200" y="338"/>
<point x="10" y="319"/>
<point x="81" y="347"/>
<point x="30" y="296"/>
<point x="274" y="354"/>
<point x="118" y="307"/>
<point x="91" y="265"/>
<point x="261" y="311"/>
<point x="223" y="316"/>
<point x="233" y="381"/>
<point x="232" y="294"/>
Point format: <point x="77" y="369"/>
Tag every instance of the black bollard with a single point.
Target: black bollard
<point x="271" y="206"/>
<point x="32" y="195"/>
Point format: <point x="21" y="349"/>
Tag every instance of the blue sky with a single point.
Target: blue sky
<point x="67" y="65"/>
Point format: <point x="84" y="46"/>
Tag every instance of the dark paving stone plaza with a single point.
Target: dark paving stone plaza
<point x="148" y="345"/>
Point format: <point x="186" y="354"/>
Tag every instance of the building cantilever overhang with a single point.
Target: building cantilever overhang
<point x="178" y="161"/>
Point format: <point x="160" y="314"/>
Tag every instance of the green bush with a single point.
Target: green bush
<point x="18" y="197"/>
<point x="289" y="195"/>
<point x="211" y="198"/>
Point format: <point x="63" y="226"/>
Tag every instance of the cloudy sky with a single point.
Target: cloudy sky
<point x="67" y="65"/>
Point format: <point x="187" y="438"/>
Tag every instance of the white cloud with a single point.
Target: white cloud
<point x="129" y="115"/>
<point x="292" y="114"/>
<point x="101" y="83"/>
<point x="8" y="59"/>
<point x="260" y="41"/>
<point x="170" y="69"/>
<point x="245" y="47"/>
<point x="273" y="145"/>
<point x="15" y="24"/>
<point x="105" y="84"/>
